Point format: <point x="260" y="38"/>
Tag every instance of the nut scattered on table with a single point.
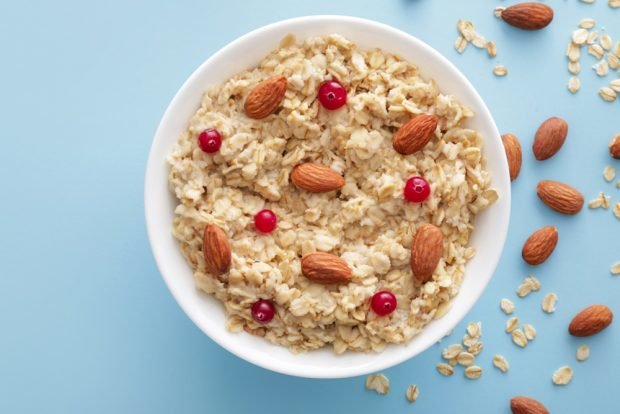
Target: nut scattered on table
<point x="549" y="138"/>
<point x="512" y="147"/>
<point x="591" y="321"/>
<point x="540" y="245"/>
<point x="527" y="405"/>
<point x="526" y="16"/>
<point x="560" y="197"/>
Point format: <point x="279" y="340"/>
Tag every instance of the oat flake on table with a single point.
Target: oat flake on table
<point x="563" y="375"/>
<point x="549" y="302"/>
<point x="507" y="306"/>
<point x="583" y="353"/>
<point x="412" y="393"/>
<point x="500" y="362"/>
<point x="379" y="383"/>
<point x="512" y="324"/>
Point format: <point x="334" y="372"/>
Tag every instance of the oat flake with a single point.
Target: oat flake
<point x="379" y="383"/>
<point x="580" y="36"/>
<point x="500" y="362"/>
<point x="529" y="331"/>
<point x="614" y="4"/>
<point x="563" y="375"/>
<point x="519" y="338"/>
<point x="592" y="38"/>
<point x="573" y="52"/>
<point x="512" y="324"/>
<point x="445" y="369"/>
<point x="574" y="84"/>
<point x="473" y="372"/>
<point x="574" y="67"/>
<point x="609" y="173"/>
<point x="607" y="94"/>
<point x="583" y="353"/>
<point x="587" y="23"/>
<point x="474" y="329"/>
<point x="466" y="359"/>
<point x="614" y="63"/>
<point x="452" y="351"/>
<point x="601" y="68"/>
<point x="491" y="48"/>
<point x="412" y="393"/>
<point x="596" y="51"/>
<point x="507" y="306"/>
<point x="616" y="210"/>
<point x="615" y="84"/>
<point x="615" y="268"/>
<point x="460" y="44"/>
<point x="500" y="70"/>
<point x="549" y="301"/>
<point x="606" y="42"/>
<point x="601" y="201"/>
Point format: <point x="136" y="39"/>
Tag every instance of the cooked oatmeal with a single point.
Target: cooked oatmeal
<point x="367" y="222"/>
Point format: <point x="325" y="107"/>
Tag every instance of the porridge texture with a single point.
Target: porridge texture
<point x="366" y="222"/>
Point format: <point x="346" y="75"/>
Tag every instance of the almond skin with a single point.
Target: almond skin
<point x="591" y="320"/>
<point x="512" y="146"/>
<point x="560" y="197"/>
<point x="415" y="134"/>
<point x="426" y="251"/>
<point x="528" y="16"/>
<point x="266" y="97"/>
<point x="526" y="405"/>
<point x="539" y="246"/>
<point x="316" y="178"/>
<point x="549" y="138"/>
<point x="216" y="250"/>
<point x="614" y="147"/>
<point x="325" y="268"/>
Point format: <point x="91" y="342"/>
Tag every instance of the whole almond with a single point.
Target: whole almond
<point x="560" y="197"/>
<point x="526" y="405"/>
<point x="539" y="246"/>
<point x="614" y="147"/>
<point x="415" y="134"/>
<point x="216" y="250"/>
<point x="591" y="320"/>
<point x="549" y="138"/>
<point x="325" y="268"/>
<point x="528" y="16"/>
<point x="316" y="178"/>
<point x="266" y="97"/>
<point x="512" y="146"/>
<point x="426" y="251"/>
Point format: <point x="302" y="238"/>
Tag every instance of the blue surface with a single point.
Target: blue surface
<point x="87" y="323"/>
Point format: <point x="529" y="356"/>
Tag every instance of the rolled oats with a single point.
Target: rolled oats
<point x="500" y="362"/>
<point x="507" y="306"/>
<point x="601" y="201"/>
<point x="616" y="210"/>
<point x="474" y="329"/>
<point x="529" y="331"/>
<point x="465" y="358"/>
<point x="583" y="353"/>
<point x="614" y="63"/>
<point x="562" y="375"/>
<point x="596" y="51"/>
<point x="452" y="351"/>
<point x="615" y="268"/>
<point x="491" y="48"/>
<point x="592" y="38"/>
<point x="365" y="225"/>
<point x="379" y="383"/>
<point x="580" y="36"/>
<point x="573" y="52"/>
<point x="614" y="4"/>
<point x="512" y="324"/>
<point x="500" y="70"/>
<point x="587" y="23"/>
<point x="609" y="173"/>
<point x="519" y="338"/>
<point x="473" y="372"/>
<point x="587" y="1"/>
<point x="574" y="67"/>
<point x="445" y="369"/>
<point x="615" y="84"/>
<point x="476" y="348"/>
<point x="574" y="84"/>
<point x="606" y="42"/>
<point x="413" y="392"/>
<point x="601" y="68"/>
<point x="460" y="44"/>
<point x="549" y="302"/>
<point x="529" y="284"/>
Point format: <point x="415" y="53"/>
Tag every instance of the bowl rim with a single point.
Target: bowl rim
<point x="151" y="218"/>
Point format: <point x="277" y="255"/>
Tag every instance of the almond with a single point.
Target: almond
<point x="539" y="246"/>
<point x="591" y="320"/>
<point x="513" y="154"/>
<point x="316" y="178"/>
<point x="528" y="16"/>
<point x="216" y="250"/>
<point x="426" y="250"/>
<point x="560" y="197"/>
<point x="614" y="147"/>
<point x="266" y="97"/>
<point x="526" y="405"/>
<point x="415" y="134"/>
<point x="325" y="268"/>
<point x="549" y="138"/>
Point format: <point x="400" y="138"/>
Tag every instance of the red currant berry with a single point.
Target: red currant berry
<point x="265" y="221"/>
<point x="383" y="303"/>
<point x="210" y="140"/>
<point x="417" y="189"/>
<point x="332" y="95"/>
<point x="263" y="311"/>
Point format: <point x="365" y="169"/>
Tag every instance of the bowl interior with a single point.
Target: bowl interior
<point x="207" y="312"/>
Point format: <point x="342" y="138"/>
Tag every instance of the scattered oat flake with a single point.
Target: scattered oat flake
<point x="379" y="383"/>
<point x="583" y="353"/>
<point x="549" y="301"/>
<point x="606" y="42"/>
<point x="614" y="4"/>
<point x="617" y="49"/>
<point x="519" y="338"/>
<point x="616" y="210"/>
<point x="574" y="67"/>
<point x="452" y="351"/>
<point x="507" y="306"/>
<point x="476" y="348"/>
<point x="574" y="84"/>
<point x="609" y="173"/>
<point x="452" y="362"/>
<point x="460" y="44"/>
<point x="474" y="329"/>
<point x="614" y="63"/>
<point x="465" y="358"/>
<point x="533" y="281"/>
<point x="529" y="331"/>
<point x="466" y="29"/>
<point x="491" y="48"/>
<point x="601" y="68"/>
<point x="607" y="94"/>
<point x="592" y="38"/>
<point x="412" y="393"/>
<point x="469" y="340"/>
<point x="615" y="269"/>
<point x="615" y="84"/>
<point x="500" y="70"/>
<point x="596" y="51"/>
<point x="587" y="1"/>
<point x="573" y="52"/>
<point x="445" y="369"/>
<point x="587" y="23"/>
<point x="501" y="363"/>
<point x="473" y="372"/>
<point x="580" y="36"/>
<point x="563" y="375"/>
<point x="512" y="324"/>
<point x="601" y="201"/>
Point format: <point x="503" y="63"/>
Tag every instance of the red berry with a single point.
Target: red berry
<point x="265" y="221"/>
<point x="210" y="140"/>
<point x="383" y="303"/>
<point x="332" y="95"/>
<point x="263" y="311"/>
<point x="417" y="189"/>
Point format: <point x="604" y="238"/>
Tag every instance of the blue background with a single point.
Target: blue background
<point x="87" y="323"/>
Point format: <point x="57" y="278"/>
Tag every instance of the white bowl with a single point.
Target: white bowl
<point x="206" y="311"/>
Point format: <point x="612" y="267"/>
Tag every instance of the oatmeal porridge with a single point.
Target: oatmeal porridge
<point x="327" y="196"/>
